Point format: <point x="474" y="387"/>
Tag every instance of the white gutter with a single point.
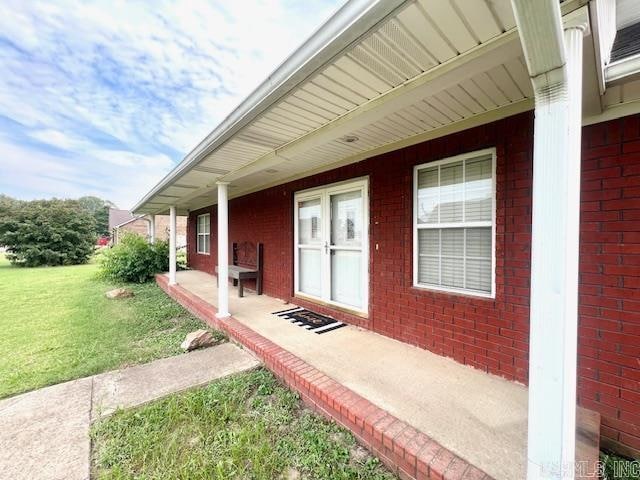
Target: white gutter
<point x="603" y="26"/>
<point x="554" y="61"/>
<point x="622" y="69"/>
<point x="353" y="20"/>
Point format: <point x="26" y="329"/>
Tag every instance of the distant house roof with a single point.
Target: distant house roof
<point x="126" y="222"/>
<point x="627" y="43"/>
<point x="118" y="217"/>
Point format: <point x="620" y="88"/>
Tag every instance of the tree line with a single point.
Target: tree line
<point x="52" y="232"/>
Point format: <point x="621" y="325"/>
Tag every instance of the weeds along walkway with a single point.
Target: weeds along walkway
<point x="44" y="434"/>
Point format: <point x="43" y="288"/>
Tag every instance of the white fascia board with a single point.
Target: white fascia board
<point x="352" y="21"/>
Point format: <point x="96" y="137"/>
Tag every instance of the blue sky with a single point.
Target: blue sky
<point x="104" y="98"/>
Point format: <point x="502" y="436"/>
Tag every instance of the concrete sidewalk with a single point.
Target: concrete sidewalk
<point x="44" y="434"/>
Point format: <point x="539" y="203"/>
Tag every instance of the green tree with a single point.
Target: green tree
<point x="7" y="204"/>
<point x="99" y="209"/>
<point x="46" y="232"/>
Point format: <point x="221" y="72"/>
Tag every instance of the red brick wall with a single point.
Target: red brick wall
<point x="609" y="335"/>
<point x="489" y="334"/>
<point x="196" y="260"/>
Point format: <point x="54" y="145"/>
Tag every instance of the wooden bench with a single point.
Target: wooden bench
<point x="247" y="265"/>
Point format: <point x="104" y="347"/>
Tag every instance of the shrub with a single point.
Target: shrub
<point x="46" y="232"/>
<point x="181" y="258"/>
<point x="134" y="259"/>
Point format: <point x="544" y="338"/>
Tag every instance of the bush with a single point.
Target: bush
<point x="134" y="259"/>
<point x="46" y="232"/>
<point x="181" y="258"/>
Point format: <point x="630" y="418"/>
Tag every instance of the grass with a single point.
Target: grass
<point x="619" y="468"/>
<point x="57" y="325"/>
<point x="246" y="426"/>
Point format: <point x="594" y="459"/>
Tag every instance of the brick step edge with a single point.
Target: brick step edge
<point x="407" y="452"/>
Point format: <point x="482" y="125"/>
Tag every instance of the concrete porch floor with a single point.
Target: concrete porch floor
<point x="479" y="417"/>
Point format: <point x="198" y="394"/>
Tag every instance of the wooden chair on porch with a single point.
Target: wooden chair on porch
<point x="247" y="265"/>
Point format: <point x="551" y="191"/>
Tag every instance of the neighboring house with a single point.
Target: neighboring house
<point x="142" y="225"/>
<point x="460" y="176"/>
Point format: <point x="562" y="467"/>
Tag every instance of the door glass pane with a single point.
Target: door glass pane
<point x="346" y="277"/>
<point x="309" y="273"/>
<point x="346" y="219"/>
<point x="309" y="226"/>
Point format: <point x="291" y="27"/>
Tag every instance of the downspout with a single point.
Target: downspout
<point x="554" y="61"/>
<point x="150" y="229"/>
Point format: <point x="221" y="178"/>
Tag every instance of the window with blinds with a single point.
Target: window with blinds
<point x="204" y="233"/>
<point x="454" y="204"/>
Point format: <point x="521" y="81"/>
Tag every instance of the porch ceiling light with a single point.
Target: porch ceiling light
<point x="350" y="139"/>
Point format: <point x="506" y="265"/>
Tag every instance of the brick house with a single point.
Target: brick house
<point x="459" y="176"/>
<point x="121" y="221"/>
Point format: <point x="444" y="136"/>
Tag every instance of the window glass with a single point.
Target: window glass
<point x="454" y="224"/>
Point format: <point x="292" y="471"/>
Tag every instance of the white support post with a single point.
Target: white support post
<point x="152" y="229"/>
<point x="172" y="245"/>
<point x="554" y="60"/>
<point x="223" y="250"/>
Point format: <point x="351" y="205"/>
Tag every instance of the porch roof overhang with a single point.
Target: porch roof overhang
<point x="377" y="76"/>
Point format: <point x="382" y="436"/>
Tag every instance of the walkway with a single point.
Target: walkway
<point x="478" y="417"/>
<point x="44" y="434"/>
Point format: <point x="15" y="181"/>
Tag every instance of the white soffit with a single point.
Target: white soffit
<point x="430" y="66"/>
<point x="627" y="13"/>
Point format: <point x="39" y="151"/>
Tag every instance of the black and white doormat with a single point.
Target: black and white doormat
<point x="312" y="321"/>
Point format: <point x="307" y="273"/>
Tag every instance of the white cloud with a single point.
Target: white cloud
<point x="58" y="139"/>
<point x="118" y="175"/>
<point x="136" y="84"/>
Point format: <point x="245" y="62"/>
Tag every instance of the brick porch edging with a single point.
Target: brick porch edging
<point x="407" y="452"/>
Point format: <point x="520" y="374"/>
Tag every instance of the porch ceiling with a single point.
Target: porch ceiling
<point x="424" y="69"/>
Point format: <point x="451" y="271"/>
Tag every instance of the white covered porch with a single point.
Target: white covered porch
<point x="480" y="417"/>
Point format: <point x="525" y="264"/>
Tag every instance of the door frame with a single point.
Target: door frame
<point x="325" y="191"/>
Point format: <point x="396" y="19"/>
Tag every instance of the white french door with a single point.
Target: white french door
<point x="331" y="244"/>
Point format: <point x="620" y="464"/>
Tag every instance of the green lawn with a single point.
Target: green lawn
<point x="619" y="468"/>
<point x="57" y="325"/>
<point x="246" y="426"/>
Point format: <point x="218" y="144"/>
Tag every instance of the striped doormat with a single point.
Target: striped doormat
<point x="312" y="321"/>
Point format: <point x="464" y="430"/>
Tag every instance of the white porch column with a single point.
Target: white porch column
<point x="223" y="250"/>
<point x="152" y="229"/>
<point x="172" y="245"/>
<point x="554" y="60"/>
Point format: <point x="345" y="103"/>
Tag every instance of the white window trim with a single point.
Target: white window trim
<point x="198" y="234"/>
<point x="444" y="161"/>
<point x="335" y="188"/>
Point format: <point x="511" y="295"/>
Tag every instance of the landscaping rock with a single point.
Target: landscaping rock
<point x="291" y="474"/>
<point x="197" y="339"/>
<point x="119" y="293"/>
